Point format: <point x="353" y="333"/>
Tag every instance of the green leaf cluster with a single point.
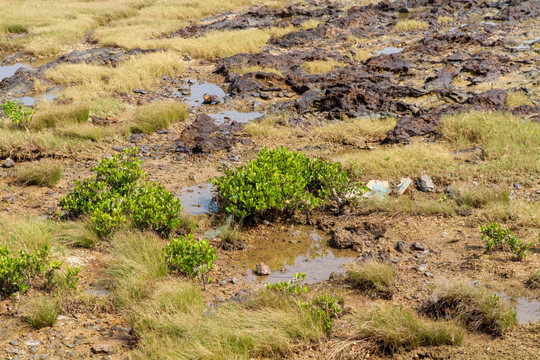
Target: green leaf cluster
<point x="118" y="193"/>
<point x="280" y="180"/>
<point x="294" y="286"/>
<point x="18" y="114"/>
<point x="323" y="308"/>
<point x="496" y="237"/>
<point x="16" y="273"/>
<point x="188" y="255"/>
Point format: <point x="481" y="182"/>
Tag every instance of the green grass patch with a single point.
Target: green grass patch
<point x="373" y="277"/>
<point x="393" y="328"/>
<point x="476" y="307"/>
<point x="43" y="173"/>
<point x="158" y="115"/>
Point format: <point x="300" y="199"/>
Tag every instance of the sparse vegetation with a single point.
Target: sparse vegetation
<point x="51" y="116"/>
<point x="534" y="281"/>
<point x="497" y="237"/>
<point x="373" y="276"/>
<point x="80" y="233"/>
<point x="393" y="328"/>
<point x="476" y="307"/>
<point x="43" y="173"/>
<point x="18" y="114"/>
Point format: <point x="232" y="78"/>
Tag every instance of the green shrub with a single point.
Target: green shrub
<point x="495" y="236"/>
<point x="153" y="207"/>
<point x="117" y="194"/>
<point x="20" y="115"/>
<point x="187" y="255"/>
<point x="323" y="309"/>
<point x="121" y="173"/>
<point x="280" y="180"/>
<point x="16" y="273"/>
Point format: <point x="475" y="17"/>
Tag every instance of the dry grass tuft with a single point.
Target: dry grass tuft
<point x="476" y="307"/>
<point x="407" y="25"/>
<point x="373" y="277"/>
<point x="481" y="196"/>
<point x="53" y="115"/>
<point x="78" y="233"/>
<point x="517" y="98"/>
<point x="41" y="310"/>
<point x="392" y="328"/>
<point x="321" y="66"/>
<point x="43" y="173"/>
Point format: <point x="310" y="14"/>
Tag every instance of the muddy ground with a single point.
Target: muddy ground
<point x="472" y="61"/>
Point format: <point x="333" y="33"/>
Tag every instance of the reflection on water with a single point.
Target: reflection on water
<point x="239" y="117"/>
<point x="527" y="308"/>
<point x="197" y="92"/>
<point x="197" y="199"/>
<point x="300" y="249"/>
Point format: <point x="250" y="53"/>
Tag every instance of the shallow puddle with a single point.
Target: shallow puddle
<point x="389" y="51"/>
<point x="9" y="70"/>
<point x="300" y="249"/>
<point x="31" y="100"/>
<point x="239" y="117"/>
<point x="198" y="90"/>
<point x="197" y="199"/>
<point x="527" y="308"/>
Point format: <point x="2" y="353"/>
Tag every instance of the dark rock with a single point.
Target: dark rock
<point x="408" y="126"/>
<point x="139" y="91"/>
<point x="425" y="183"/>
<point x="517" y="186"/>
<point x="101" y="349"/>
<point x="402" y="246"/>
<point x="211" y="99"/>
<point x="337" y="277"/>
<point x="418" y="246"/>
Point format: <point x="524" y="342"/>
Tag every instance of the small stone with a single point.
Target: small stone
<point x="32" y="342"/>
<point x="517" y="186"/>
<point x="402" y="246"/>
<point x="101" y="349"/>
<point x="9" y="198"/>
<point x="337" y="276"/>
<point x="9" y="163"/>
<point x="33" y="349"/>
<point x="234" y="280"/>
<point x="418" y="246"/>
<point x="422" y="267"/>
<point x="15" y="351"/>
<point x="538" y="191"/>
<point x="428" y="274"/>
<point x="262" y="269"/>
<point x="14" y="343"/>
<point x="425" y="183"/>
<point x="211" y="99"/>
<point x="139" y="91"/>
